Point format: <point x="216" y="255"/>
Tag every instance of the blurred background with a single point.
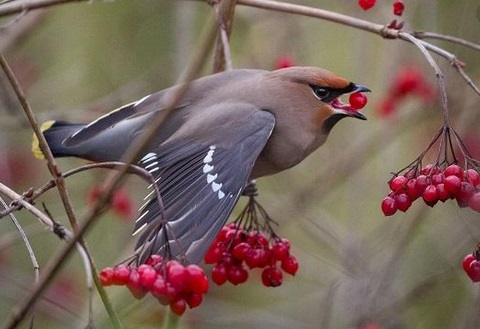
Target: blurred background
<point x="358" y="269"/>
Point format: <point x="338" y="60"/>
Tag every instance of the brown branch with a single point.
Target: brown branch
<point x="15" y="7"/>
<point x="224" y="10"/>
<point x="31" y="253"/>
<point x="438" y="72"/>
<point x="449" y="38"/>
<point x="467" y="79"/>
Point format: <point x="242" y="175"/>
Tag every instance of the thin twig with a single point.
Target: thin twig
<point x="31" y="253"/>
<point x="449" y="38"/>
<point x="14" y="7"/>
<point x="467" y="78"/>
<point x="12" y="195"/>
<point x="224" y="12"/>
<point x="440" y="78"/>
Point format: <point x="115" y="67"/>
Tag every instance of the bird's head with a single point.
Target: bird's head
<point x="321" y="92"/>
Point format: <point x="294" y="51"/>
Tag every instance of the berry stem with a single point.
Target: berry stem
<point x="440" y="78"/>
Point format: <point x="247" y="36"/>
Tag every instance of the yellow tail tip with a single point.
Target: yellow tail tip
<point x="37" y="152"/>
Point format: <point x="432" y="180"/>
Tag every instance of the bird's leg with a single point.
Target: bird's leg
<point x="251" y="189"/>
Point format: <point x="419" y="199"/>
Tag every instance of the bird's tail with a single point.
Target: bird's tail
<point x="55" y="133"/>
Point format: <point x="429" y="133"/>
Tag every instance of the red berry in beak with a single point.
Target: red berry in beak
<point x="357" y="100"/>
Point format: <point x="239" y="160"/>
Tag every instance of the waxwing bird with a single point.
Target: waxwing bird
<point x="230" y="127"/>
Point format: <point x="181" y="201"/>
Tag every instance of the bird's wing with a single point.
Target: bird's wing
<point x="200" y="180"/>
<point x="147" y="104"/>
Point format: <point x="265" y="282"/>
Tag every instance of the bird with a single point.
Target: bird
<point x="227" y="129"/>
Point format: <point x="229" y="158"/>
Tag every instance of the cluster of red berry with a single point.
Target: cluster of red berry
<point x="398" y="6"/>
<point x="408" y="81"/>
<point x="235" y="247"/>
<point x="471" y="265"/>
<point x="433" y="184"/>
<point x="170" y="282"/>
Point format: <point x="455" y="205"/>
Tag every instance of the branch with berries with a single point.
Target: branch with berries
<point x="251" y="242"/>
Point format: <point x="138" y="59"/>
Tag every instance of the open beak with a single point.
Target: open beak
<point x="360" y="89"/>
<point x="346" y="109"/>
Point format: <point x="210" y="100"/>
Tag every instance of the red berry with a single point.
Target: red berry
<point x="411" y="190"/>
<point x="159" y="289"/>
<point x="272" y="277"/>
<point x="474" y="271"/>
<point x="474" y="202"/>
<point x="286" y="242"/>
<point x="257" y="258"/>
<point x="366" y="4"/>
<point x="237" y="274"/>
<point x="154" y="260"/>
<point x="472" y="177"/>
<point x="179" y="306"/>
<point x="389" y="206"/>
<point x="452" y="184"/>
<point x="403" y="202"/>
<point x="177" y="275"/>
<point x="467" y="261"/>
<point x="106" y="276"/>
<point x="219" y="274"/>
<point x="135" y="286"/>
<point x="421" y="183"/>
<point x="453" y="170"/>
<point x="290" y="265"/>
<point x="121" y="275"/>
<point x="280" y="251"/>
<point x="442" y="193"/>
<point x="437" y="179"/>
<point x="430" y="195"/>
<point x="464" y="193"/>
<point x="256" y="238"/>
<point x="357" y="100"/>
<point x="194" y="300"/>
<point x="240" y="251"/>
<point x="197" y="280"/>
<point x="213" y="255"/>
<point x="148" y="277"/>
<point x="398" y="7"/>
<point x="397" y="183"/>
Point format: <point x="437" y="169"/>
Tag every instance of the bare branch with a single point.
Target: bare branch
<point x="224" y="10"/>
<point x="15" y="7"/>
<point x="440" y="78"/>
<point x="31" y="253"/>
<point x="449" y="38"/>
<point x="467" y="78"/>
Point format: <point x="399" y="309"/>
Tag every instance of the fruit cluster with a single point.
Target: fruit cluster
<point x="235" y="249"/>
<point x="169" y="281"/>
<point x="433" y="183"/>
<point x="471" y="265"/>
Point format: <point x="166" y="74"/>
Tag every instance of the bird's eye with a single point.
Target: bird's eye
<point x="321" y="93"/>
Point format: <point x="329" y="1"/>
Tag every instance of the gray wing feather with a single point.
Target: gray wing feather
<point x="200" y="181"/>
